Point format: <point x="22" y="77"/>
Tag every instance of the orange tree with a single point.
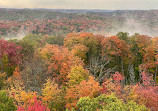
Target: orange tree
<point x="59" y="61"/>
<point x="89" y="88"/>
<point x="87" y="40"/>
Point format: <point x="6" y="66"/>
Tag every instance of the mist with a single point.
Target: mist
<point x="133" y="26"/>
<point x="18" y="36"/>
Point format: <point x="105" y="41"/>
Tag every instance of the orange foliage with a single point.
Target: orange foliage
<point x="148" y="49"/>
<point x="80" y="51"/>
<point x="127" y="93"/>
<point x="86" y="88"/>
<point x="60" y="61"/>
<point x="88" y="40"/>
<point x="17" y="90"/>
<point x="17" y="72"/>
<point x="115" y="46"/>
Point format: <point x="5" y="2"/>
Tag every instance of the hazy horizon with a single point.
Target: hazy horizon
<point x="82" y="4"/>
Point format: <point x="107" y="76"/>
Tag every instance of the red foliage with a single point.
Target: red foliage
<point x="36" y="106"/>
<point x="117" y="77"/>
<point x="50" y="26"/>
<point x="113" y="84"/>
<point x="11" y="50"/>
<point x="148" y="92"/>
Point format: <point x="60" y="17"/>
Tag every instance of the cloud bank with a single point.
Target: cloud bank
<point x="81" y="4"/>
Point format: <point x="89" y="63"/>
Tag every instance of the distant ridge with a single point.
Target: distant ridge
<point x="73" y="10"/>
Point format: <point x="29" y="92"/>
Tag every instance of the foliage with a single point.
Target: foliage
<point x="89" y="88"/>
<point x="65" y="48"/>
<point x="113" y="85"/>
<point x="3" y="81"/>
<point x="10" y="56"/>
<point x="53" y="96"/>
<point x="35" y="106"/>
<point x="50" y="91"/>
<point x="88" y="41"/>
<point x="21" y="97"/>
<point x="115" y="47"/>
<point x="77" y="75"/>
<point x="86" y="103"/>
<point x="80" y="51"/>
<point x="147" y="91"/>
<point x="107" y="102"/>
<point x="6" y="103"/>
<point x="60" y="61"/>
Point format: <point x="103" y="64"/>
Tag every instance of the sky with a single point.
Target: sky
<point x="81" y="4"/>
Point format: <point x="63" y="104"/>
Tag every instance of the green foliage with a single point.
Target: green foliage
<point x="6" y="66"/>
<point x="123" y="36"/>
<point x="71" y="109"/>
<point x="58" y="103"/>
<point x="107" y="103"/>
<point x="54" y="40"/>
<point x="6" y="103"/>
<point x="132" y="106"/>
<point x="33" y="39"/>
<point x="88" y="104"/>
<point x="2" y="80"/>
<point x="27" y="47"/>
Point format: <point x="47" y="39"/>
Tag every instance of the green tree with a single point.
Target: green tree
<point x="107" y="103"/>
<point x="6" y="103"/>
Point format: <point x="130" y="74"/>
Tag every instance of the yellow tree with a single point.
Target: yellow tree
<point x="21" y="97"/>
<point x="52" y="95"/>
<point x="77" y="75"/>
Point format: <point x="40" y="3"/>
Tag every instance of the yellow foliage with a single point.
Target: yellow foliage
<point x="21" y="97"/>
<point x="50" y="91"/>
<point x="77" y="75"/>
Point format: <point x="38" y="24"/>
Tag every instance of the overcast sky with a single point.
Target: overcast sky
<point x="81" y="4"/>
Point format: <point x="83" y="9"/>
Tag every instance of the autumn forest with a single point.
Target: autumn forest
<point x="78" y="60"/>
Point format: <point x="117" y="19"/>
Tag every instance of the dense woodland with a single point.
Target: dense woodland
<point x="15" y="22"/>
<point x="61" y="64"/>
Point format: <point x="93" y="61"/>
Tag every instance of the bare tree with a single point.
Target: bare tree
<point x="34" y="74"/>
<point x="98" y="67"/>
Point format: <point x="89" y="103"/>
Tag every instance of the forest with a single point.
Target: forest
<point x="65" y="60"/>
